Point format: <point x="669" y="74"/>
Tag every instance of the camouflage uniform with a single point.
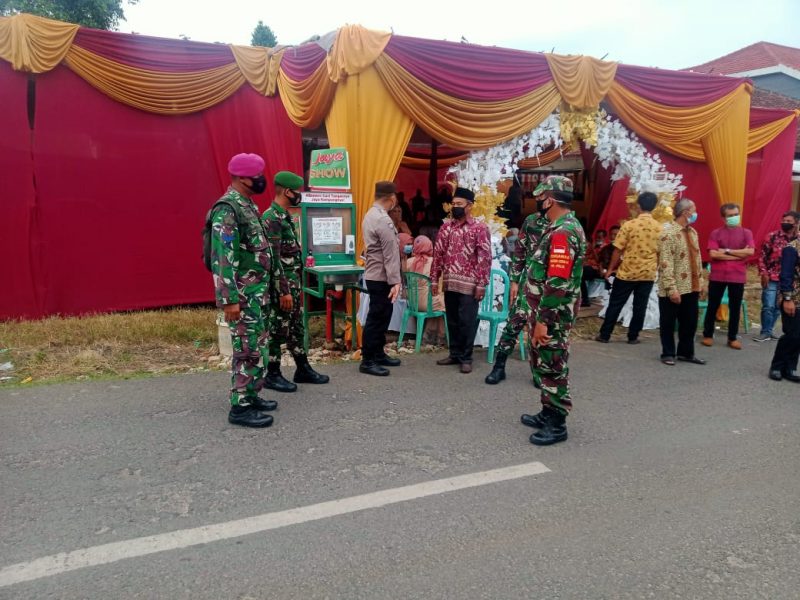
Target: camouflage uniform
<point x="553" y="293"/>
<point x="285" y="326"/>
<point x="243" y="267"/>
<point x="530" y="234"/>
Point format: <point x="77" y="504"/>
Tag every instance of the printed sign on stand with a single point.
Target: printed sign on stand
<point x="330" y="169"/>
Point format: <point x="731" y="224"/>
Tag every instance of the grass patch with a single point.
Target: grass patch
<point x="116" y="345"/>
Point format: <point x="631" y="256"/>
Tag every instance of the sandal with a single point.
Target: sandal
<point x="668" y="360"/>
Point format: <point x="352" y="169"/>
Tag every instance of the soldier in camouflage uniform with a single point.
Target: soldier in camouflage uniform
<point x="553" y="292"/>
<point x="529" y="236"/>
<point x="285" y="322"/>
<point x="243" y="269"/>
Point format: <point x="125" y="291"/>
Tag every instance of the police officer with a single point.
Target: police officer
<point x="553" y="293"/>
<point x="530" y="234"/>
<point x="285" y="321"/>
<point x="243" y="269"/>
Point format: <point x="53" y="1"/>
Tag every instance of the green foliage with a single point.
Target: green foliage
<point x="100" y="14"/>
<point x="263" y="36"/>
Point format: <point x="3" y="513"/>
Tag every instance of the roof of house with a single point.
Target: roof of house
<point x="760" y="55"/>
<point x="767" y="99"/>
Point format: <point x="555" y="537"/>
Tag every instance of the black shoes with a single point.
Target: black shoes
<point x="386" y="361"/>
<point x="634" y="341"/>
<point x="274" y="380"/>
<point x="498" y="373"/>
<point x="552" y="430"/>
<point x="262" y="405"/>
<point x="248" y="416"/>
<point x="304" y="372"/>
<point x="791" y="376"/>
<point x="775" y="375"/>
<point x="601" y="339"/>
<point x="692" y="359"/>
<point x="536" y="421"/>
<point x="373" y="368"/>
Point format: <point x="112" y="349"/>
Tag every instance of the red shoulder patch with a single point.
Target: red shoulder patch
<point x="560" y="261"/>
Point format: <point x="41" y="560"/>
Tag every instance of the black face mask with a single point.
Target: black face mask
<point x="459" y="212"/>
<point x="787" y="227"/>
<point x="542" y="209"/>
<point x="258" y="184"/>
<point x="294" y="198"/>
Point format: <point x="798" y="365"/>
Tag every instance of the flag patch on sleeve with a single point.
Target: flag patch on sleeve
<point x="560" y="260"/>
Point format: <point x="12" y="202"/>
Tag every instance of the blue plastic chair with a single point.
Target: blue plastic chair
<point x="417" y="283"/>
<point x="488" y="313"/>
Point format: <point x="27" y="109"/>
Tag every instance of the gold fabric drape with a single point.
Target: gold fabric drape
<point x="461" y="123"/>
<point x="34" y="44"/>
<point x="365" y="120"/>
<point x="545" y="158"/>
<point x="307" y="102"/>
<point x="758" y="137"/>
<point x="725" y="148"/>
<point x="420" y="164"/>
<point x="355" y="49"/>
<point x="156" y="91"/>
<point x="582" y="81"/>
<point x="259" y="66"/>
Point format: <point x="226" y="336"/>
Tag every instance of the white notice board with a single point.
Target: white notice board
<point x="326" y="231"/>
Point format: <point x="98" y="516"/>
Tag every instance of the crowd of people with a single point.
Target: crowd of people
<point x="256" y="268"/>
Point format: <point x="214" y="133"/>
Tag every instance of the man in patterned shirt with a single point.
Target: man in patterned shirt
<point x="638" y="239"/>
<point x="679" y="283"/>
<point x="769" y="268"/>
<point x="463" y="257"/>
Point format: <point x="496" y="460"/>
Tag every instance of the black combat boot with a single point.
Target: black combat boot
<point x="498" y="370"/>
<point x="276" y="381"/>
<point x="261" y="404"/>
<point x="537" y="421"/>
<point x="248" y="416"/>
<point x="304" y="372"/>
<point x="554" y="430"/>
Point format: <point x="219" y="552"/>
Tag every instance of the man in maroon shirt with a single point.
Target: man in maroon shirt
<point x="729" y="248"/>
<point x="463" y="258"/>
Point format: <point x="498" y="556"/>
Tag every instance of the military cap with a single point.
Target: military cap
<point x="288" y="180"/>
<point x="559" y="185"/>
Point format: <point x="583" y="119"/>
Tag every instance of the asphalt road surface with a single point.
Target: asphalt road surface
<point x="676" y="482"/>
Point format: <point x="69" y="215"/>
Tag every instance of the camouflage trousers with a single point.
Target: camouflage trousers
<point x="249" y="341"/>
<point x="285" y="327"/>
<point x="550" y="369"/>
<point x="517" y="320"/>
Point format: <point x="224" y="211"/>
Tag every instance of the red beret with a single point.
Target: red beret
<point x="246" y="165"/>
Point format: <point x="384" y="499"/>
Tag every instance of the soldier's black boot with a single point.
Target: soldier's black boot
<point x="536" y="421"/>
<point x="554" y="430"/>
<point x="304" y="372"/>
<point x="248" y="416"/>
<point x="498" y="370"/>
<point x="275" y="380"/>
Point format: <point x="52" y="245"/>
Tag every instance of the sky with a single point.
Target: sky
<point x="670" y="34"/>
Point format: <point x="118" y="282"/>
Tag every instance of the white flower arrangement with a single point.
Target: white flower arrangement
<point x="616" y="146"/>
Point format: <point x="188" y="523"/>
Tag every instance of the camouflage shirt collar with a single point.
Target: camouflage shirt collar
<point x="239" y="197"/>
<point x="279" y="209"/>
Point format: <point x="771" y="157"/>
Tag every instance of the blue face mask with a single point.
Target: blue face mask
<point x="692" y="219"/>
<point x="407" y="249"/>
<point x="733" y="221"/>
<point x="512" y="239"/>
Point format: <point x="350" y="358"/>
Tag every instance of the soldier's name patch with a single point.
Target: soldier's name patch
<point x="560" y="261"/>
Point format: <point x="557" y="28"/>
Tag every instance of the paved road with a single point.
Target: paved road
<point x="677" y="482"/>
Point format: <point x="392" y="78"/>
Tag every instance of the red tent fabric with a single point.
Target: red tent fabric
<point x="120" y="195"/>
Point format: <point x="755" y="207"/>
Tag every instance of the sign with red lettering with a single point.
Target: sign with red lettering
<point x="330" y="170"/>
<point x="560" y="261"/>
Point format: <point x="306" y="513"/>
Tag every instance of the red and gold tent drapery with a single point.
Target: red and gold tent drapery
<point x="371" y="88"/>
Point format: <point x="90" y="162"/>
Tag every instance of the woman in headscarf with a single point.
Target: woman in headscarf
<point x="406" y="243"/>
<point x="420" y="262"/>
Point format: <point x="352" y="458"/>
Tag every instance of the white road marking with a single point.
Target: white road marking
<point x="183" y="538"/>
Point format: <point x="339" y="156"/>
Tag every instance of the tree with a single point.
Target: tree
<point x="100" y="14"/>
<point x="263" y="36"/>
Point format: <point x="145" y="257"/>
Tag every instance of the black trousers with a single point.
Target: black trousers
<point x="788" y="349"/>
<point x="685" y="314"/>
<point x="462" y="324"/>
<point x="378" y="317"/>
<point x="589" y="273"/>
<point x="716" y="289"/>
<point x="620" y="292"/>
